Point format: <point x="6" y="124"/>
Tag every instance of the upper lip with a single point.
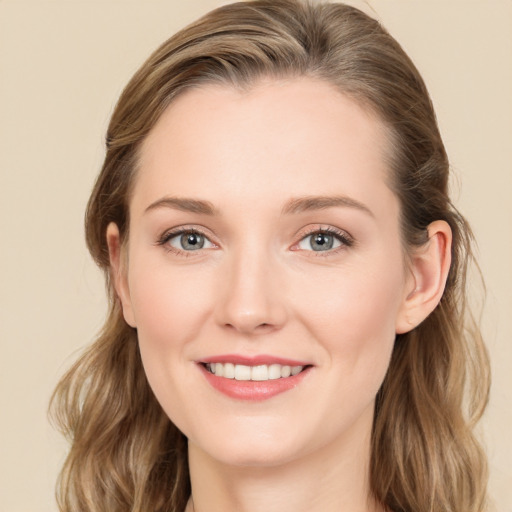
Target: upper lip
<point x="255" y="360"/>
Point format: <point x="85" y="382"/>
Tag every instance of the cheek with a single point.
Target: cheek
<point x="352" y="317"/>
<point x="168" y="303"/>
<point x="170" y="307"/>
<point x="352" y="313"/>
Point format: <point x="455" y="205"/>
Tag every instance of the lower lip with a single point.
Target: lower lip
<point x="253" y="390"/>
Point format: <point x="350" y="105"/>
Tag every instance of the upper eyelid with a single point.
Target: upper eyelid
<point x="322" y="228"/>
<point x="179" y="230"/>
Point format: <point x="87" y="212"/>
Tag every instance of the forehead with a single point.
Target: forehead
<point x="291" y="136"/>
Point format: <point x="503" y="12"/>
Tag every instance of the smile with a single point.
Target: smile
<point x="254" y="378"/>
<point x="260" y="373"/>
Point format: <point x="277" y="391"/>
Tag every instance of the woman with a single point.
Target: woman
<point x="288" y="327"/>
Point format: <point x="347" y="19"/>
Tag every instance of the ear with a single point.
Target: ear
<point x="429" y="266"/>
<point x="118" y="272"/>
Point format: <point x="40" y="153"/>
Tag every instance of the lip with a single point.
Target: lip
<point x="250" y="390"/>
<point x="253" y="360"/>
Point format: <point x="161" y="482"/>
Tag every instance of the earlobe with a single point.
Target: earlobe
<point x="118" y="272"/>
<point x="429" y="269"/>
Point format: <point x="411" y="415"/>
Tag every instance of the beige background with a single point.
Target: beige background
<point x="62" y="65"/>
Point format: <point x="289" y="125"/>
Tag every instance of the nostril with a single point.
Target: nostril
<point x="248" y="327"/>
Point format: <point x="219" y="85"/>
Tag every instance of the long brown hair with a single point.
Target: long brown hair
<point x="125" y="453"/>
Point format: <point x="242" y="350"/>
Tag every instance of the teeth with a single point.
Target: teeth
<point x="229" y="370"/>
<point x="296" y="370"/>
<point x="274" y="371"/>
<point x="260" y="373"/>
<point x="242" y="372"/>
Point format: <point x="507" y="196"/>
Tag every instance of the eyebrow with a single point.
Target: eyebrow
<point x="309" y="203"/>
<point x="184" y="204"/>
<point x="293" y="206"/>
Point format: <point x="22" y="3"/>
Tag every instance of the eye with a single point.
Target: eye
<point x="186" y="240"/>
<point x="324" y="240"/>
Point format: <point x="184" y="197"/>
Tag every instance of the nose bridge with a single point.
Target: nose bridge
<point x="251" y="295"/>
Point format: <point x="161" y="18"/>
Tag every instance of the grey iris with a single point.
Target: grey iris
<point x="192" y="241"/>
<point x="321" y="242"/>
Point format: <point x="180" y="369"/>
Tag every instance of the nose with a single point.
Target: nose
<point x="252" y="295"/>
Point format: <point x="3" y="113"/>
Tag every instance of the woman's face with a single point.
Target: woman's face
<point x="264" y="241"/>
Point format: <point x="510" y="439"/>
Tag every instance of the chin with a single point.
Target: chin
<point x="255" y="457"/>
<point x="259" y="450"/>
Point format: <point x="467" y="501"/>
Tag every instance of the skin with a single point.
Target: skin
<point x="258" y="287"/>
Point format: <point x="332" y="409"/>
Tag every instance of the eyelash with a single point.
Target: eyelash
<point x="344" y="238"/>
<point x="169" y="235"/>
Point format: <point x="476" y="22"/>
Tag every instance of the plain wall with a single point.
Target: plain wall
<point x="63" y="64"/>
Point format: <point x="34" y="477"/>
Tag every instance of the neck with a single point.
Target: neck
<point x="333" y="479"/>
